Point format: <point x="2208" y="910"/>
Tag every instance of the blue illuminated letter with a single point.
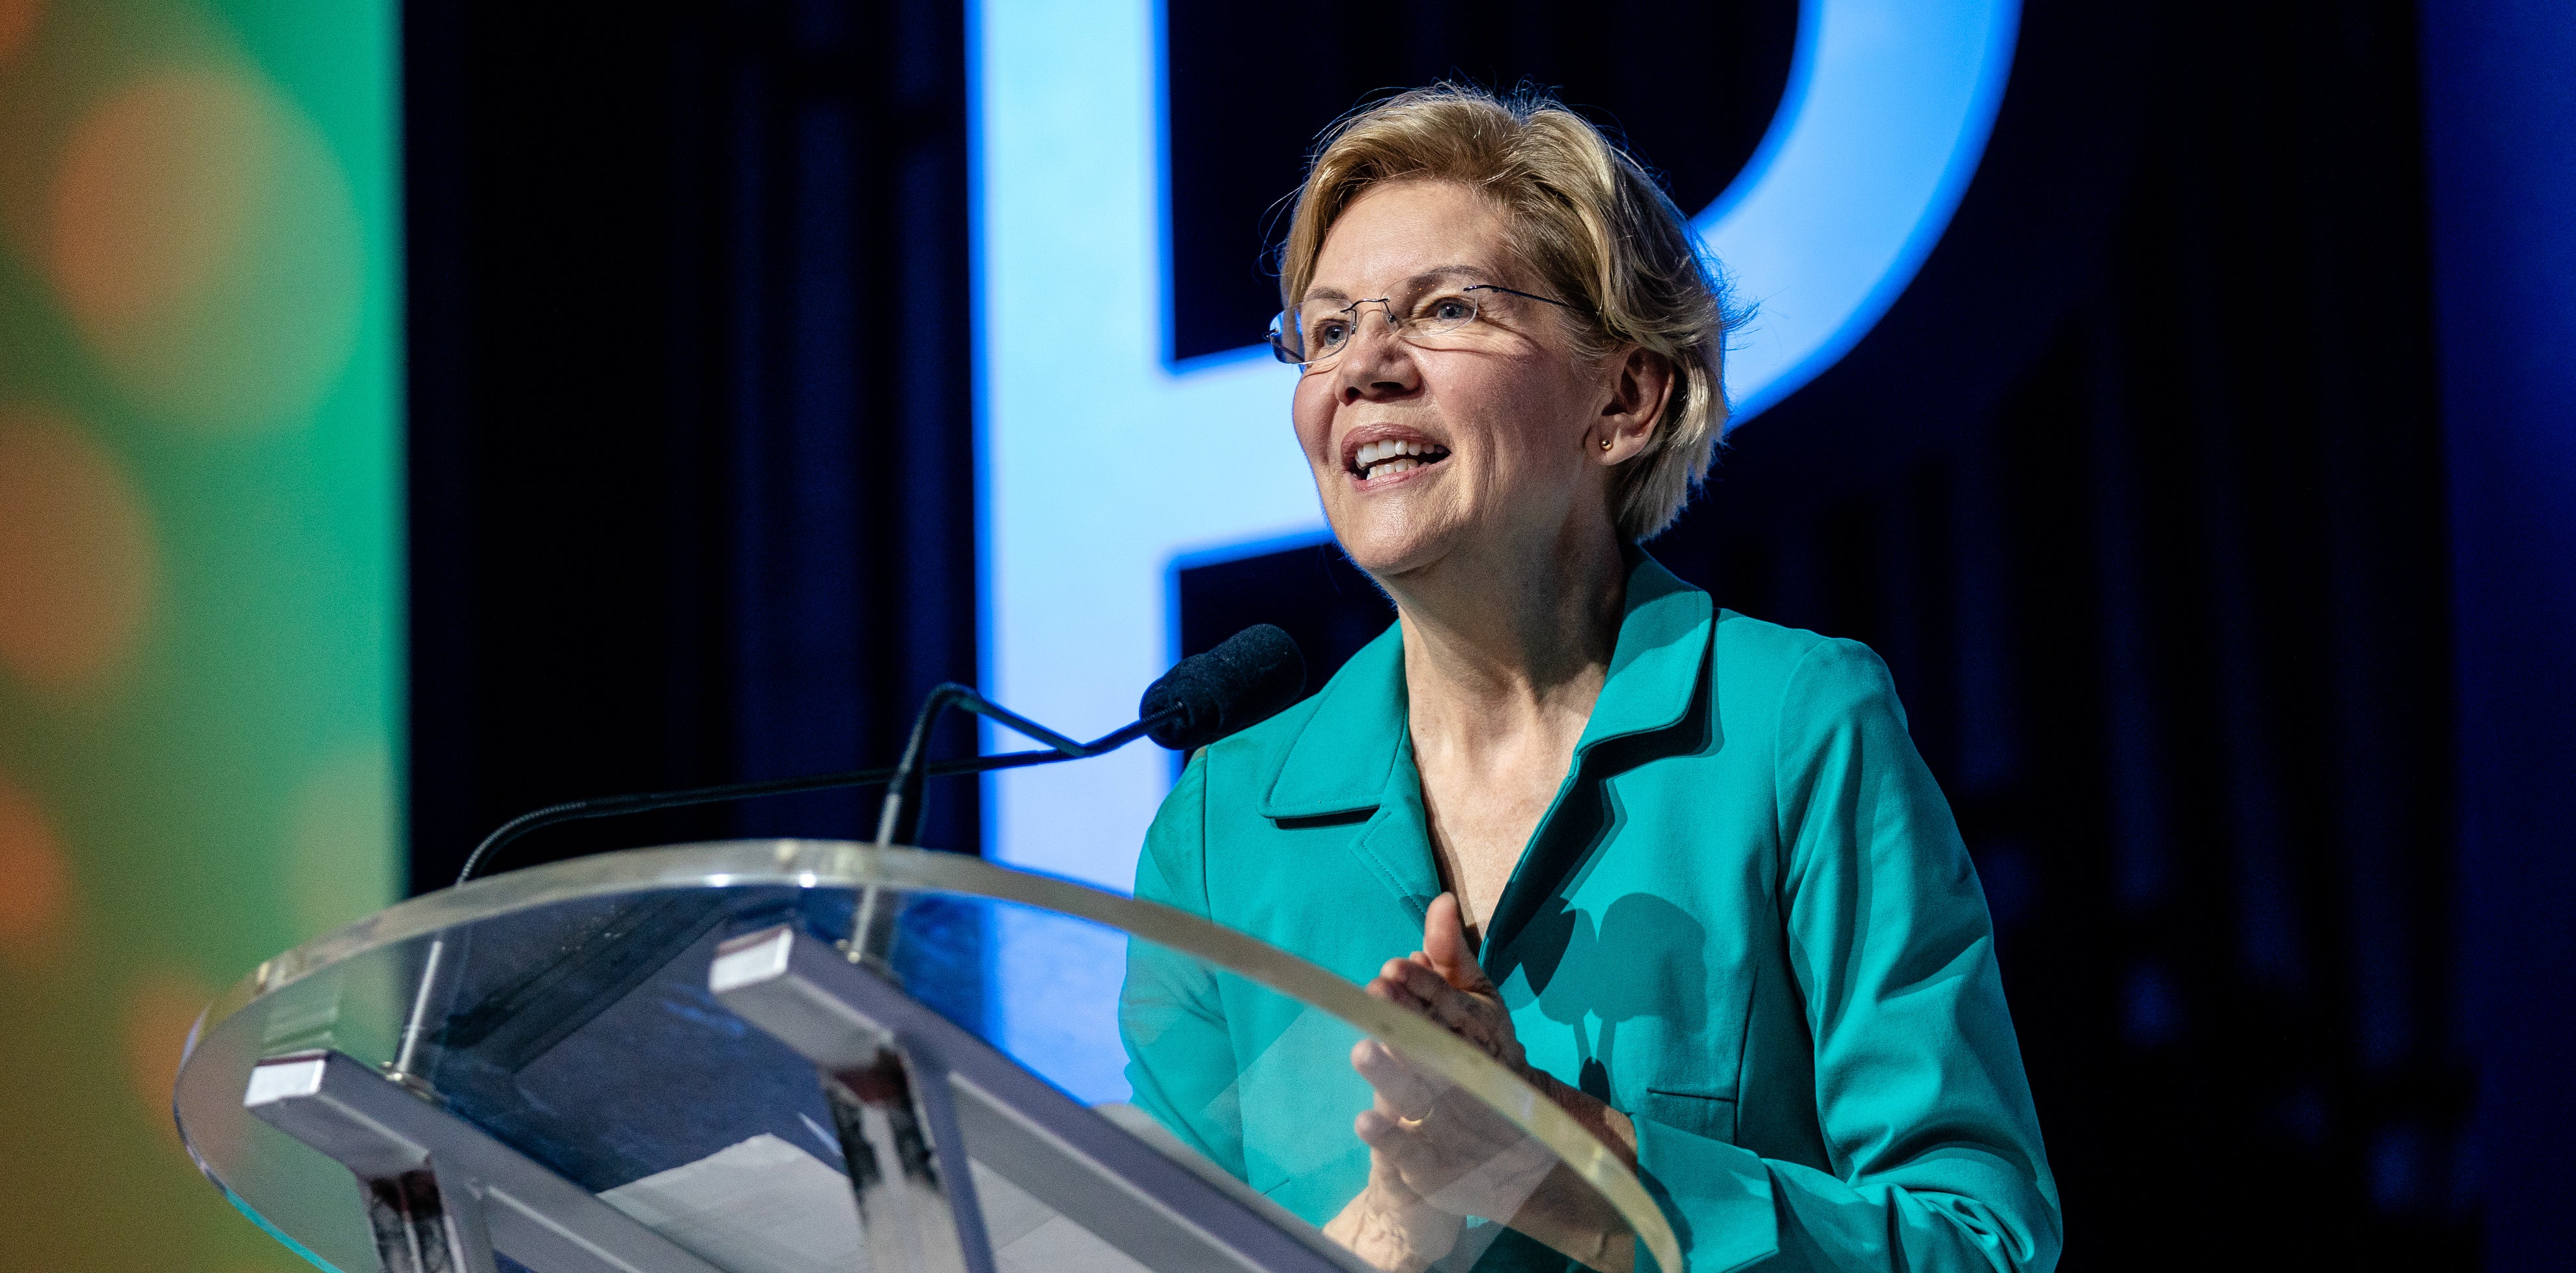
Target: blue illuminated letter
<point x="1101" y="462"/>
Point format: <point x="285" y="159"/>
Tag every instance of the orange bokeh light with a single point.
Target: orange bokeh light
<point x="35" y="880"/>
<point x="157" y="188"/>
<point x="77" y="565"/>
<point x="206" y="243"/>
<point x="160" y="1009"/>
<point x="17" y="26"/>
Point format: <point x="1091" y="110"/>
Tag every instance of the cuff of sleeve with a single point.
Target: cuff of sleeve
<point x="1716" y="1195"/>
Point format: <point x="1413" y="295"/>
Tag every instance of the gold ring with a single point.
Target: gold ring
<point x="1410" y="1123"/>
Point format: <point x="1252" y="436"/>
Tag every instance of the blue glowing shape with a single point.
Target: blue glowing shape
<point x="1100" y="463"/>
<point x="1887" y="111"/>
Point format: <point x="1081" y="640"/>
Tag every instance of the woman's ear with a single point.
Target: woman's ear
<point x="1641" y="382"/>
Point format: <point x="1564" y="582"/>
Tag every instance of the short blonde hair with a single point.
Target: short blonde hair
<point x="1588" y="218"/>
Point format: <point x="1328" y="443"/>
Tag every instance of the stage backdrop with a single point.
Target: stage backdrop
<point x="198" y="335"/>
<point x="2139" y="486"/>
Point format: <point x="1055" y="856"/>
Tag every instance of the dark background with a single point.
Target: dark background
<point x="2209" y="494"/>
<point x="692" y="472"/>
<point x="1693" y="101"/>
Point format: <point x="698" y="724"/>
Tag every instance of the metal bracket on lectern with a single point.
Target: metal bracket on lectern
<point x="896" y="1119"/>
<point x="851" y="1021"/>
<point x="441" y="1193"/>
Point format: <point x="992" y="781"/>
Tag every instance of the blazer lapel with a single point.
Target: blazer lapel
<point x="1653" y="703"/>
<point x="1353" y="762"/>
<point x="1353" y="759"/>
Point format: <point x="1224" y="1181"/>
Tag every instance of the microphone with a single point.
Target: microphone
<point x="1247" y="679"/>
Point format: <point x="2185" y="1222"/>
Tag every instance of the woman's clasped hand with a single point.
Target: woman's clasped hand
<point x="1439" y="1155"/>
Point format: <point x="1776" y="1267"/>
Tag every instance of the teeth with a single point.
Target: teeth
<point x="1376" y="452"/>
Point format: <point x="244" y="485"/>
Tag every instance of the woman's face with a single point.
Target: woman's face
<point x="1499" y="418"/>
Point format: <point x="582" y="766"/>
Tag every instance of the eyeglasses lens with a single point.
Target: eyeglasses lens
<point x="1317" y="333"/>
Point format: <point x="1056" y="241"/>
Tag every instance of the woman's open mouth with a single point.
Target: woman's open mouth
<point x="1379" y="460"/>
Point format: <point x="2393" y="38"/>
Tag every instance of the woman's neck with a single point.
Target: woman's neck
<point x="1494" y="649"/>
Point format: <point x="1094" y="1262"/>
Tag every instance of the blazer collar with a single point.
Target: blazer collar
<point x="1654" y="668"/>
<point x="1347" y="753"/>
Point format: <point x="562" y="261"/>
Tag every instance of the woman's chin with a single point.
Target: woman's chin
<point x="1392" y="555"/>
<point x="1392" y="538"/>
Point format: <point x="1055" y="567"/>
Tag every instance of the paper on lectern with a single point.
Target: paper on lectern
<point x="765" y="1206"/>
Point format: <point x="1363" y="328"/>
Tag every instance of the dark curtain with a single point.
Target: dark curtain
<point x="2139" y="493"/>
<point x="2500" y="119"/>
<point x="691" y="426"/>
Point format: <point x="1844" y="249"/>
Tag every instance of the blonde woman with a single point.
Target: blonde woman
<point x="1681" y="869"/>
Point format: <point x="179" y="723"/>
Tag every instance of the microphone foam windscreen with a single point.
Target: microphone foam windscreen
<point x="1247" y="679"/>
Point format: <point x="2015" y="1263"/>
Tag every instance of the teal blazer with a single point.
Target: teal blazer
<point x="1747" y="921"/>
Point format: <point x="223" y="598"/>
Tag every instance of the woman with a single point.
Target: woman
<point x="1572" y="789"/>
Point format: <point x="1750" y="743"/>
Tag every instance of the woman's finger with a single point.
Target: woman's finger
<point x="1375" y="1128"/>
<point x="1401" y="1087"/>
<point x="1428" y="984"/>
<point x="1380" y="1064"/>
<point x="1430" y="1159"/>
<point x="1409" y="976"/>
<point x="1414" y="980"/>
<point x="1478" y="1020"/>
<point x="1405" y="991"/>
<point x="1465" y="1018"/>
<point x="1413" y="1149"/>
<point x="1444" y="944"/>
<point x="1377" y="1125"/>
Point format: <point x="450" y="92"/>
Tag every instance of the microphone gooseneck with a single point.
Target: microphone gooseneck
<point x="1245" y="680"/>
<point x="903" y="782"/>
<point x="1248" y="678"/>
<point x="646" y="802"/>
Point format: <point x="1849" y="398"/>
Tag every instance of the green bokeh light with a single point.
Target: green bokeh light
<point x="217" y="775"/>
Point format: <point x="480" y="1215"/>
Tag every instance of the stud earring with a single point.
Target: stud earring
<point x="1605" y="444"/>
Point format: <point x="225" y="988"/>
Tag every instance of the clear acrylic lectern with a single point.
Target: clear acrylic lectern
<point x="782" y="1056"/>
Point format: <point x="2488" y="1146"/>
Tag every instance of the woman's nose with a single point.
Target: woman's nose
<point x="1378" y="361"/>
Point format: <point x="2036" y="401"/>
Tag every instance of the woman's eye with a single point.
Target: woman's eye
<point x="1332" y="333"/>
<point x="1451" y="309"/>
